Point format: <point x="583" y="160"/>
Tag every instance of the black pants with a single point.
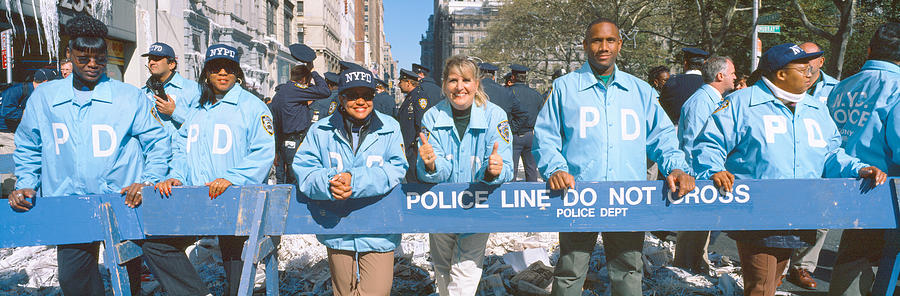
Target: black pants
<point x="173" y="270"/>
<point x="79" y="273"/>
<point x="522" y="148"/>
<point x="232" y="247"/>
<point x="285" y="150"/>
<point x="412" y="155"/>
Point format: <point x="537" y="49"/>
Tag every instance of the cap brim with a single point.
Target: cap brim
<point x="808" y="56"/>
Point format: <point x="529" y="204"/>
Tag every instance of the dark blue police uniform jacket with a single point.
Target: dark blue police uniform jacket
<point x="676" y="91"/>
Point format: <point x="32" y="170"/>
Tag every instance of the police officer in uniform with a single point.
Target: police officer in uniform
<point x="681" y="86"/>
<point x="290" y="110"/>
<point x="503" y="98"/>
<point x="531" y="102"/>
<point x="322" y="108"/>
<point x="384" y="102"/>
<point x="431" y="88"/>
<point x="181" y="93"/>
<point x="410" y="117"/>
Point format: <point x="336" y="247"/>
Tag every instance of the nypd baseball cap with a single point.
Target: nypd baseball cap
<point x="41" y="75"/>
<point x="161" y="50"/>
<point x="222" y="51"/>
<point x="780" y="55"/>
<point x="356" y="77"/>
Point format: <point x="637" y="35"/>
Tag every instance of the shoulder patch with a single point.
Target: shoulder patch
<point x="267" y="124"/>
<point x="722" y="105"/>
<point x="503" y="129"/>
<point x="155" y="116"/>
<point x="423" y="103"/>
<point x="426" y="132"/>
<point x="332" y="107"/>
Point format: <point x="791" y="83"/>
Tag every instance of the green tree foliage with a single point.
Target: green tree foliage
<point x="546" y="35"/>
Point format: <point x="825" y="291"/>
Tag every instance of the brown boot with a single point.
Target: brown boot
<point x="802" y="278"/>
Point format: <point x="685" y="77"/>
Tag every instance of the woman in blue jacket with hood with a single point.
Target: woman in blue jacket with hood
<point x="466" y="139"/>
<point x="355" y="153"/>
<point x="227" y="140"/>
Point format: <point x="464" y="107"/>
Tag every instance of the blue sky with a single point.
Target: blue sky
<point x="405" y="21"/>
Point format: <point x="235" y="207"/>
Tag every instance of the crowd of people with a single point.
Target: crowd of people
<point x="338" y="136"/>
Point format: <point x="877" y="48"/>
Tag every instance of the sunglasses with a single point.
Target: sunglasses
<point x="354" y="95"/>
<point x="216" y="66"/>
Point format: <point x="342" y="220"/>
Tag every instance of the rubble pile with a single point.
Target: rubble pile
<point x="515" y="264"/>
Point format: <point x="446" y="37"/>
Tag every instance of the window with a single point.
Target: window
<point x="462" y="39"/>
<point x="270" y="18"/>
<point x="367" y="7"/>
<point x="287" y="26"/>
<point x="300" y="8"/>
<point x="300" y="35"/>
<point x="471" y="39"/>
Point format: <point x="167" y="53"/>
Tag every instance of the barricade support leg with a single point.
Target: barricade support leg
<point x="116" y="253"/>
<point x="251" y="247"/>
<point x="889" y="265"/>
<point x="272" y="278"/>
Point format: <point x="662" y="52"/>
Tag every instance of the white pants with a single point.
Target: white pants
<point x="458" y="260"/>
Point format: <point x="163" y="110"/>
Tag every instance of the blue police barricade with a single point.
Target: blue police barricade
<point x="266" y="212"/>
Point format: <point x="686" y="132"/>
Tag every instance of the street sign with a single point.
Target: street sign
<point x="768" y="29"/>
<point x="769" y="18"/>
<point x="5" y="59"/>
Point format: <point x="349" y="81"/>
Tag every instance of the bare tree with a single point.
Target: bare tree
<point x="838" y="40"/>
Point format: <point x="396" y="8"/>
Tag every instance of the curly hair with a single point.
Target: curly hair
<point x="86" y="33"/>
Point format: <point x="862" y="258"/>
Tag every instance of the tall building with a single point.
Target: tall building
<point x="458" y="26"/>
<point x="427" y="45"/>
<point x="261" y="31"/>
<point x="321" y="30"/>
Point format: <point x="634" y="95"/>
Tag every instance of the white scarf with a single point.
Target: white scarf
<point x="783" y="94"/>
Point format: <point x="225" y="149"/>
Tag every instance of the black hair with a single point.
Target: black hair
<point x="172" y="60"/>
<point x="207" y="96"/>
<point x="520" y="77"/>
<point x="599" y="20"/>
<point x="755" y="76"/>
<point x="885" y="44"/>
<point x="300" y="73"/>
<point x="86" y="34"/>
<point x="655" y="71"/>
<point x="694" y="63"/>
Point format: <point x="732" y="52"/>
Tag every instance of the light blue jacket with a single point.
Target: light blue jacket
<point x="185" y="93"/>
<point x="465" y="161"/>
<point x="98" y="147"/>
<point x="866" y="110"/>
<point x="231" y="139"/>
<point x="694" y="113"/>
<point x="376" y="167"/>
<point x="597" y="133"/>
<point x="823" y="88"/>
<point x="755" y="136"/>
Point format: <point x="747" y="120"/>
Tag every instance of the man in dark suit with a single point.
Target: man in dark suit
<point x="431" y="88"/>
<point x="501" y="96"/>
<point x="384" y="102"/>
<point x="681" y="86"/>
<point x="531" y="101"/>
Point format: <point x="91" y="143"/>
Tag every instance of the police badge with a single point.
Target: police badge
<point x="332" y="107"/>
<point x="423" y="103"/>
<point x="267" y="124"/>
<point x="503" y="129"/>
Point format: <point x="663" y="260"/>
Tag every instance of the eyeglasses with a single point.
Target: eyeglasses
<point x="806" y="71"/>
